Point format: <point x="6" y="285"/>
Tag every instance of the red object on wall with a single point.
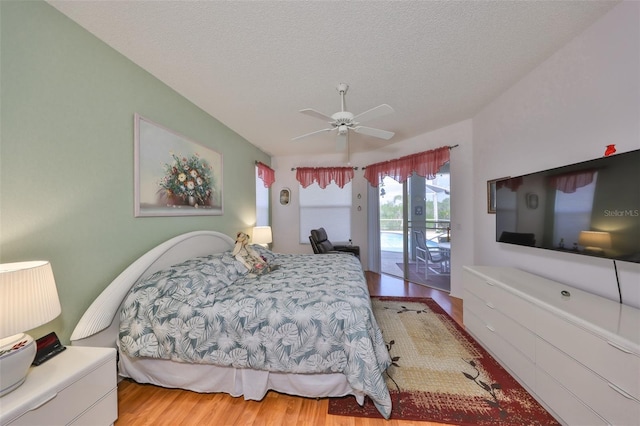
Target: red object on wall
<point x="610" y="150"/>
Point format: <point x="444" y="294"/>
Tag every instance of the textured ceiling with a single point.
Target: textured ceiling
<point x="254" y="64"/>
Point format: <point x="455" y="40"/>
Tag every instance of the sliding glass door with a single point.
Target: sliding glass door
<point x="415" y="229"/>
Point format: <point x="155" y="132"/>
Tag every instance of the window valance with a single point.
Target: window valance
<point x="266" y="173"/>
<point x="324" y="176"/>
<point x="425" y="164"/>
<point x="511" y="184"/>
<point x="569" y="182"/>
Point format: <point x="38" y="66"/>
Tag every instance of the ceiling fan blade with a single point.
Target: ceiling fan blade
<point x="379" y="111"/>
<point x="312" y="133"/>
<point x="341" y="141"/>
<point x="316" y="114"/>
<point x="377" y="133"/>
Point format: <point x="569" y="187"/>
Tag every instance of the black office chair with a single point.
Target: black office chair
<point x="321" y="244"/>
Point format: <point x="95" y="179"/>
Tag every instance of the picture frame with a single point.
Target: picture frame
<point x="285" y="196"/>
<point x="174" y="175"/>
<point x="491" y="194"/>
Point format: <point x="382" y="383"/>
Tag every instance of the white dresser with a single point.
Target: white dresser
<point x="77" y="386"/>
<point x="578" y="354"/>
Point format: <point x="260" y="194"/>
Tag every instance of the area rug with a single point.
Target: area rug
<point x="441" y="374"/>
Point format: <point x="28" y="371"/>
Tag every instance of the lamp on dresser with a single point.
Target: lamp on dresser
<point x="28" y="299"/>
<point x="595" y="241"/>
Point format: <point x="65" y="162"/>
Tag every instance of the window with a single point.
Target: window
<point x="262" y="202"/>
<point x="573" y="212"/>
<point x="329" y="208"/>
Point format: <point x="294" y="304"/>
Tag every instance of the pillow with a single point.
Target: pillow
<point x="225" y="266"/>
<point x="265" y="253"/>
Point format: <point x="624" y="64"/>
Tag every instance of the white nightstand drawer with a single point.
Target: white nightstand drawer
<point x="70" y="402"/>
<point x="106" y="408"/>
<point x="63" y="389"/>
<point x="615" y="365"/>
<point x="597" y="393"/>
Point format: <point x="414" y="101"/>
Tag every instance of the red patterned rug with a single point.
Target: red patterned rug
<point x="441" y="374"/>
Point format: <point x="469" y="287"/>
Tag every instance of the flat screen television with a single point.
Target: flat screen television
<point x="590" y="208"/>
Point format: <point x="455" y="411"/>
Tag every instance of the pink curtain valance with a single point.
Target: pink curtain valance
<point x="569" y="182"/>
<point x="324" y="176"/>
<point x="425" y="164"/>
<point x="510" y="183"/>
<point x="266" y="173"/>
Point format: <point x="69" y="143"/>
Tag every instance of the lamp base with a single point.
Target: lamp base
<point x="16" y="355"/>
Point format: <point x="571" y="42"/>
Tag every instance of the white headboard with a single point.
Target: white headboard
<point x="99" y="326"/>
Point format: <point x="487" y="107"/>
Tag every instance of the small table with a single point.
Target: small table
<point x="446" y="251"/>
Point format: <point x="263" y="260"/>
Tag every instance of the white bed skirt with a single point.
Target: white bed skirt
<point x="252" y="384"/>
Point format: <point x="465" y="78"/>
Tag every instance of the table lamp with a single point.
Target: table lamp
<point x="262" y="235"/>
<point x="28" y="299"/>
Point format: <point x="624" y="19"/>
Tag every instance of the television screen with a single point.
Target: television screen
<point x="590" y="208"/>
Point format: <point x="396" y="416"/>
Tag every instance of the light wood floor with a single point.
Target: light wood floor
<point x="151" y="405"/>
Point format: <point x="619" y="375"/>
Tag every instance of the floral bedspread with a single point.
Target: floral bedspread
<point x="311" y="315"/>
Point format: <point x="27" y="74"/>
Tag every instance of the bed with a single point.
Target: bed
<point x="187" y="315"/>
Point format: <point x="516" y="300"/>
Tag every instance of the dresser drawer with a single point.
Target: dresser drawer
<point x="496" y="297"/>
<point x="587" y="386"/>
<point x="613" y="364"/>
<point x="475" y="305"/>
<point x="474" y="284"/>
<point x="520" y="366"/>
<point x="478" y="329"/>
<point x="70" y="402"/>
<point x="514" y="307"/>
<point x="510" y="331"/>
<point x="569" y="409"/>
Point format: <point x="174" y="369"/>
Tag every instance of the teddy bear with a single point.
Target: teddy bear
<point x="246" y="255"/>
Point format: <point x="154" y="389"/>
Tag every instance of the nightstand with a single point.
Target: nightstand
<point x="77" y="386"/>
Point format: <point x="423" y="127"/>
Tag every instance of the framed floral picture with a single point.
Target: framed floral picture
<point x="174" y="176"/>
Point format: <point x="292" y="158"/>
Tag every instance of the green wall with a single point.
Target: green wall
<point x="67" y="103"/>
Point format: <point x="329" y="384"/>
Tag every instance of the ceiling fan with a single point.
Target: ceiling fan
<point x="343" y="121"/>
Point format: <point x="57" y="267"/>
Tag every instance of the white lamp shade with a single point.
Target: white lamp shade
<point x="262" y="235"/>
<point x="28" y="296"/>
<point x="595" y="239"/>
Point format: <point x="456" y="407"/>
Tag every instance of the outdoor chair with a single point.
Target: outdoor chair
<point x="433" y="258"/>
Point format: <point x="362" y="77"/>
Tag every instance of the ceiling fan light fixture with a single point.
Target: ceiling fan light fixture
<point x="343" y="120"/>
